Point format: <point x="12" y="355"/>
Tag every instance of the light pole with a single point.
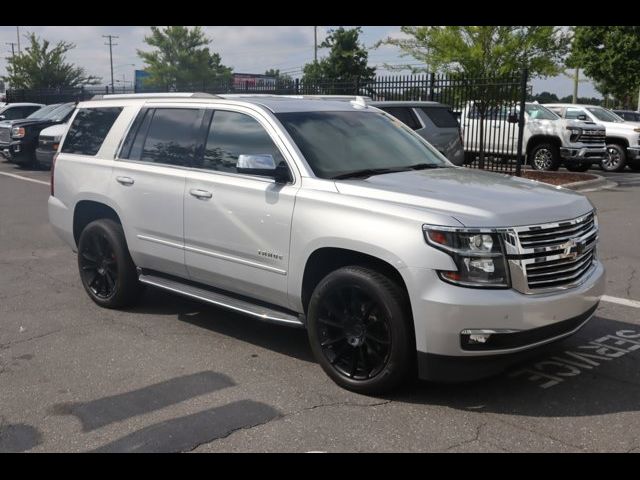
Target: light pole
<point x="111" y="37"/>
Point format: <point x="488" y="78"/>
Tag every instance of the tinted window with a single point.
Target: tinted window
<point x="538" y="112"/>
<point x="574" y="112"/>
<point x="441" y="117"/>
<point x="89" y="129"/>
<point x="19" y="112"/>
<point x="405" y="115"/>
<point x="172" y="136"/>
<point x="604" y="115"/>
<point x="232" y="134"/>
<point x="62" y="112"/>
<point x="336" y="143"/>
<point x="44" y="111"/>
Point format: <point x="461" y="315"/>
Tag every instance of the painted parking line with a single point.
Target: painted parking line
<point x="27" y="179"/>
<point x="621" y="301"/>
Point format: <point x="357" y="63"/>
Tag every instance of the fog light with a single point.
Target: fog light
<point x="475" y="337"/>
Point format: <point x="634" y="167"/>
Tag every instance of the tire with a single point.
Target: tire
<point x="544" y="157"/>
<point x="578" y="167"/>
<point x="107" y="271"/>
<point x="357" y="316"/>
<point x="616" y="160"/>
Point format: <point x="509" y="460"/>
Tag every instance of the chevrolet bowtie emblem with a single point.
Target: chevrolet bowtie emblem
<point x="568" y="247"/>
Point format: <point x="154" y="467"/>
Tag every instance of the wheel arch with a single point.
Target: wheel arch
<point x="86" y="211"/>
<point x="536" y="140"/>
<point x="623" y="142"/>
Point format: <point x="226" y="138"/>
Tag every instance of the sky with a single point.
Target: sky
<point x="248" y="49"/>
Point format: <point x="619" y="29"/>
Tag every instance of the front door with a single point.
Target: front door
<point x="237" y="226"/>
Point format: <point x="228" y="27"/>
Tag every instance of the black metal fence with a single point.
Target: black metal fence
<point x="490" y="110"/>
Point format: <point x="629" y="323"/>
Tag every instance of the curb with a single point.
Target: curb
<point x="594" y="183"/>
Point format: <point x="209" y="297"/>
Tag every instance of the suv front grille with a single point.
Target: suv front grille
<point x="552" y="256"/>
<point x="5" y="134"/>
<point x="592" y="136"/>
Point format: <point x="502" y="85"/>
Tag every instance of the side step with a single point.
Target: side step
<point x="267" y="314"/>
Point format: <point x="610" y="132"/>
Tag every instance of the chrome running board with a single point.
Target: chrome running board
<point x="262" y="312"/>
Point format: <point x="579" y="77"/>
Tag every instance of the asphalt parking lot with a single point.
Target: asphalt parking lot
<point x="175" y="375"/>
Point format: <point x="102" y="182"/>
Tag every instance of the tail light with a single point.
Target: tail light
<point x="53" y="168"/>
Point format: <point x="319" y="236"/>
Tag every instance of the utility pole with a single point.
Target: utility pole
<point x="315" y="44"/>
<point x="576" y="79"/>
<point x="13" y="50"/>
<point x="111" y="37"/>
<point x="18" y="35"/>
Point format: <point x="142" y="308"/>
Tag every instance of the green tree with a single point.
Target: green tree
<point x="544" y="97"/>
<point x="44" y="66"/>
<point x="610" y="55"/>
<point x="484" y="51"/>
<point x="346" y="62"/>
<point x="181" y="57"/>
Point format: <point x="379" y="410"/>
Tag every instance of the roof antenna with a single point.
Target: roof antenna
<point x="359" y="102"/>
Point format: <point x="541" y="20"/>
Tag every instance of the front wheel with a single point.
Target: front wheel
<point x="578" y="167"/>
<point x="107" y="271"/>
<point x="359" y="327"/>
<point x="616" y="160"/>
<point x="545" y="156"/>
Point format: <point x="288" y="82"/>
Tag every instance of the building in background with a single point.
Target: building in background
<point x="139" y="77"/>
<point x="253" y="80"/>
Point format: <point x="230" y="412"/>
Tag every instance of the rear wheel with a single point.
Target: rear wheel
<point x="616" y="159"/>
<point x="360" y="331"/>
<point x="544" y="156"/>
<point x="107" y="271"/>
<point x="578" y="167"/>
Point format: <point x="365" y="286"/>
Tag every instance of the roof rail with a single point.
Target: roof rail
<point x="125" y="96"/>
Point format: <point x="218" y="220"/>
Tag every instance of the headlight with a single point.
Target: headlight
<point x="17" y="132"/>
<point x="477" y="253"/>
<point x="575" y="133"/>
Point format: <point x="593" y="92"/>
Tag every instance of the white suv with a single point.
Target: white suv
<point x="330" y="216"/>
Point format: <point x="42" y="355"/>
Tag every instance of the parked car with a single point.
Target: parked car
<point x="13" y="111"/>
<point x="433" y="121"/>
<point x="6" y="125"/>
<point x="548" y="141"/>
<point x="48" y="143"/>
<point x="623" y="138"/>
<point x="628" y="115"/>
<point x="22" y="135"/>
<point x="330" y="216"/>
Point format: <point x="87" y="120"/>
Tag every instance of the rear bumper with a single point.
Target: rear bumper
<point x="449" y="368"/>
<point x="583" y="154"/>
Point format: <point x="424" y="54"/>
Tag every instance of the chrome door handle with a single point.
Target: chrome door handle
<point x="125" y="180"/>
<point x="202" y="194"/>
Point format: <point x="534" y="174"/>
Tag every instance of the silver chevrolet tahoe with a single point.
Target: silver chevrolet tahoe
<point x="330" y="216"/>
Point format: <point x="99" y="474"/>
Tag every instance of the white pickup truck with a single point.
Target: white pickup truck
<point x="623" y="138"/>
<point x="548" y="140"/>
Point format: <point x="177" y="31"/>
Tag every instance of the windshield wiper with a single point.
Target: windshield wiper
<point x="424" y="166"/>
<point x="367" y="172"/>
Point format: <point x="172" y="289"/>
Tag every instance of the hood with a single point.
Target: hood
<point x="474" y="198"/>
<point x="28" y="122"/>
<point x="55" y="130"/>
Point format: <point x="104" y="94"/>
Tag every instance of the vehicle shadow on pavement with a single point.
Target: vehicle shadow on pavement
<point x="17" y="438"/>
<point x="285" y="340"/>
<point x="595" y="372"/>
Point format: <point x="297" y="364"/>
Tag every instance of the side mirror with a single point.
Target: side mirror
<point x="582" y="116"/>
<point x="2" y="117"/>
<point x="264" y="165"/>
<point x="513" y="118"/>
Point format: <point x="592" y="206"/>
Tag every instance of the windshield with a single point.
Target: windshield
<point x="538" y="112"/>
<point x="44" y="111"/>
<point x="337" y="143"/>
<point x="604" y="115"/>
<point x="61" y="112"/>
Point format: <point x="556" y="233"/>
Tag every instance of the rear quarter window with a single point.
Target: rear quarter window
<point x="89" y="129"/>
<point x="405" y="115"/>
<point x="441" y="117"/>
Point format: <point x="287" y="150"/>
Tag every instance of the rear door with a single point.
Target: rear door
<point x="148" y="184"/>
<point x="238" y="226"/>
<point x="442" y="130"/>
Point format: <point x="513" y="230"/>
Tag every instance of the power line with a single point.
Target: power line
<point x="111" y="37"/>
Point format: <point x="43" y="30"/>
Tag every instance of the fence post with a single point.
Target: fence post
<point x="523" y="98"/>
<point x="432" y="81"/>
<point x="297" y="86"/>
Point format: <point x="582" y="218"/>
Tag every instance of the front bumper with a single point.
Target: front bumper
<point x="583" y="154"/>
<point x="442" y="311"/>
<point x="45" y="157"/>
<point x="633" y="152"/>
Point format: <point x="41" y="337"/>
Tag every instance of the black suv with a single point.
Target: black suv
<point x="628" y="115"/>
<point x="19" y="138"/>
